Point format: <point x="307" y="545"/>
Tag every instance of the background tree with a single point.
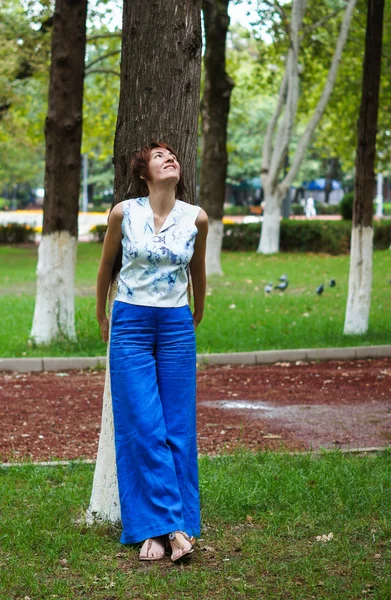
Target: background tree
<point x="360" y="276"/>
<point x="159" y="99"/>
<point x="54" y="310"/>
<point x="214" y="116"/>
<point x="54" y="307"/>
<point x="338" y="134"/>
<point x="281" y="126"/>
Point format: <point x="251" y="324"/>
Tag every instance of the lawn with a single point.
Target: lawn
<point x="239" y="316"/>
<point x="262" y="515"/>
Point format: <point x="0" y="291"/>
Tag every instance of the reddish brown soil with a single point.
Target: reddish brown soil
<point x="286" y="405"/>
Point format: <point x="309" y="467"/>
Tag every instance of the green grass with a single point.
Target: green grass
<point x="297" y="318"/>
<point x="261" y="516"/>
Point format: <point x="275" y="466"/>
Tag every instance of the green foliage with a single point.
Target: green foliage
<point x="346" y="206"/>
<point x="16" y="233"/>
<point x="331" y="237"/>
<point x="321" y="209"/>
<point x="25" y="38"/>
<point x="236" y="210"/>
<point x="99" y="232"/>
<point x="387" y="209"/>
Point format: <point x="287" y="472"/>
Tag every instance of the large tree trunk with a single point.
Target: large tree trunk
<point x="104" y="502"/>
<point x="159" y="99"/>
<point x="214" y="112"/>
<point x="360" y="277"/>
<point x="54" y="307"/>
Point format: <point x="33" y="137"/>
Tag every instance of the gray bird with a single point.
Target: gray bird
<point x="332" y="283"/>
<point x="319" y="289"/>
<point x="282" y="286"/>
<point x="283" y="277"/>
<point x="268" y="288"/>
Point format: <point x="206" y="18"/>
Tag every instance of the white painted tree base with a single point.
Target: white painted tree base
<point x="360" y="281"/>
<point x="104" y="502"/>
<point x="269" y="242"/>
<point x="213" y="247"/>
<point x="54" y="312"/>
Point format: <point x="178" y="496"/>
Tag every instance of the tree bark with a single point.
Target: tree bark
<point x="269" y="241"/>
<point x="54" y="308"/>
<point x="214" y="113"/>
<point x="360" y="276"/>
<point x="159" y="99"/>
<point x="160" y="83"/>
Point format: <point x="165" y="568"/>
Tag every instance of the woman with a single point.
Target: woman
<point x="152" y="354"/>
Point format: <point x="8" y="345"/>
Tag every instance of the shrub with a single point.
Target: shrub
<point x="387" y="209"/>
<point x="330" y="237"/>
<point x="297" y="209"/>
<point x="382" y="235"/>
<point x="346" y="206"/>
<point x="16" y="233"/>
<point x="321" y="209"/>
<point x="99" y="232"/>
<point x="236" y="210"/>
<point x="327" y="209"/>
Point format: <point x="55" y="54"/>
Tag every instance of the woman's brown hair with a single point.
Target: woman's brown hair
<point x="139" y="169"/>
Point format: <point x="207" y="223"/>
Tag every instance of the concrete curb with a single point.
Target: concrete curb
<point x="92" y="461"/>
<point x="27" y="365"/>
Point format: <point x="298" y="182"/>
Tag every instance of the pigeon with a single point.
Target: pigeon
<point x="282" y="286"/>
<point x="319" y="289"/>
<point x="283" y="277"/>
<point x="332" y="283"/>
<point x="268" y="288"/>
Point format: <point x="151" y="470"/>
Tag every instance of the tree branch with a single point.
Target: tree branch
<point x="267" y="145"/>
<point x="284" y="132"/>
<point x="101" y="58"/>
<point x="320" y="108"/>
<point x="282" y="14"/>
<point x="107" y="71"/>
<point x="109" y="34"/>
<point x="319" y="23"/>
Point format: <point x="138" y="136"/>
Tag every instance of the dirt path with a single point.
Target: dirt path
<point x="285" y="405"/>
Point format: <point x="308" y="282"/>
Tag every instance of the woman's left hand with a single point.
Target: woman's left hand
<point x="197" y="318"/>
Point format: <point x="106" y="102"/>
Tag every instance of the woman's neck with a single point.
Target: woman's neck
<point x="162" y="200"/>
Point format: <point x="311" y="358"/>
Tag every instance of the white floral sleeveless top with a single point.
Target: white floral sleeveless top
<point x="154" y="266"/>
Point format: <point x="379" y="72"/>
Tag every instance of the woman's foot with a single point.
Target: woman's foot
<point x="152" y="549"/>
<point x="181" y="544"/>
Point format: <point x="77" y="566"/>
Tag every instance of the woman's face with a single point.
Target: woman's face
<point x="163" y="167"/>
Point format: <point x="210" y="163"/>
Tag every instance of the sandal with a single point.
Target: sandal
<point x="152" y="549"/>
<point x="178" y="544"/>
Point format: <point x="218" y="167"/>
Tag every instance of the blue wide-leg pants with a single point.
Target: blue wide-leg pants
<point x="153" y="386"/>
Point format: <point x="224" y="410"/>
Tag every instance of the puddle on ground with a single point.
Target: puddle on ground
<point x="237" y="405"/>
<point x="367" y="424"/>
<point x="243" y="405"/>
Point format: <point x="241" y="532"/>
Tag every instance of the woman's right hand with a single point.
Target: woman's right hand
<point x="104" y="328"/>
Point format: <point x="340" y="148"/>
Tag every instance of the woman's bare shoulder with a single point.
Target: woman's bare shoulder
<point x="202" y="219"/>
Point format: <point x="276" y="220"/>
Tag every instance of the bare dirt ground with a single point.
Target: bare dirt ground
<point x="293" y="406"/>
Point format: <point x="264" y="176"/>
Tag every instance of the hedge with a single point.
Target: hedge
<point x="330" y="237"/>
<point x="16" y="233"/>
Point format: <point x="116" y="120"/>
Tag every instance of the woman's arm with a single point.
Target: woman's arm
<point x="111" y="247"/>
<point x="198" y="267"/>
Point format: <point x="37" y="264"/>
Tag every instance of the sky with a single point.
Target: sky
<point x="238" y="13"/>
